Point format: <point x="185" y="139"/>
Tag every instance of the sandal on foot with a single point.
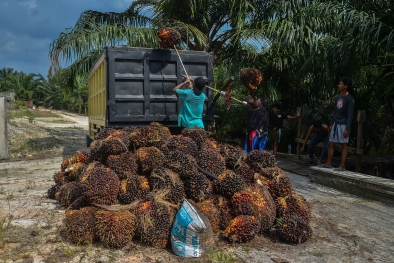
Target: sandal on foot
<point x="339" y="169"/>
<point x="324" y="166"/>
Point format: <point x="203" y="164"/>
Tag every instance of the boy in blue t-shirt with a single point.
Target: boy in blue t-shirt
<point x="190" y="115"/>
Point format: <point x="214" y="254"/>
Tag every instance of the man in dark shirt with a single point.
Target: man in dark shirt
<point x="319" y="133"/>
<point x="257" y="134"/>
<point x="276" y="122"/>
<point x="341" y="123"/>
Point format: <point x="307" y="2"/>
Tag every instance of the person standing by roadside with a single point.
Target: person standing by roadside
<point x="319" y="133"/>
<point x="257" y="131"/>
<point x="341" y="123"/>
<point x="276" y="122"/>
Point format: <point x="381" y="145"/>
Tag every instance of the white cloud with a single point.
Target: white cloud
<point x="9" y="46"/>
<point x="30" y="4"/>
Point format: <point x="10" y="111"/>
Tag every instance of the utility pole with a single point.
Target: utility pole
<point x="3" y="129"/>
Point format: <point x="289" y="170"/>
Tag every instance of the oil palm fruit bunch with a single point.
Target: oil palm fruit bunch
<point x="154" y="223"/>
<point x="211" y="161"/>
<point x="68" y="193"/>
<point x="61" y="178"/>
<point x="228" y="184"/>
<point x="138" y="138"/>
<point x="210" y="144"/>
<point x="98" y="152"/>
<point x="182" y="144"/>
<point x="260" y="159"/>
<point x="232" y="155"/>
<point x="168" y="37"/>
<point x="104" y="133"/>
<point x="271" y="172"/>
<point x="115" y="143"/>
<point x="133" y="188"/>
<point x="269" y="211"/>
<point x="115" y="228"/>
<point x="251" y="78"/>
<point x="293" y="204"/>
<point x="224" y="208"/>
<point x="183" y="164"/>
<point x="248" y="202"/>
<point x="294" y="229"/>
<point x="198" y="135"/>
<point x="100" y="184"/>
<point x="149" y="158"/>
<point x="80" y="225"/>
<point x="166" y="179"/>
<point x="242" y="229"/>
<point x="74" y="171"/>
<point x="51" y="193"/>
<point x="123" y="164"/>
<point x="208" y="208"/>
<point x="246" y="172"/>
<point x="198" y="187"/>
<point x="79" y="203"/>
<point x="279" y="186"/>
<point x="157" y="131"/>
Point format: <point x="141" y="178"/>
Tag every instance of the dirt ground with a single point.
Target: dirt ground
<point x="346" y="228"/>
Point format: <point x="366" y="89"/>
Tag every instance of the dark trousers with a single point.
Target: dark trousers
<point x="315" y="141"/>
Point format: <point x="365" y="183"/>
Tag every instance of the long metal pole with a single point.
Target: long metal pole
<point x="181" y="61"/>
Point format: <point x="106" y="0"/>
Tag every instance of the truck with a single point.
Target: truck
<point x="132" y="86"/>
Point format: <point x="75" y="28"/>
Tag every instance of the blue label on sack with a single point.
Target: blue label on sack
<point x="195" y="242"/>
<point x="182" y="220"/>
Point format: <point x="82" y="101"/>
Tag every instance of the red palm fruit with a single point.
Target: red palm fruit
<point x="242" y="229"/>
<point x="168" y="37"/>
<point x="251" y="78"/>
<point x="208" y="208"/>
<point x="293" y="204"/>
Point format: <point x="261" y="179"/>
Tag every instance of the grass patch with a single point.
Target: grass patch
<point x="318" y="254"/>
<point x="29" y="113"/>
<point x="221" y="257"/>
<point x="60" y="121"/>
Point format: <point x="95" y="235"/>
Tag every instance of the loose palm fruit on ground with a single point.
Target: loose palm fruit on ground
<point x="251" y="78"/>
<point x="228" y="184"/>
<point x="100" y="184"/>
<point x="293" y="204"/>
<point x="168" y="37"/>
<point x="242" y="229"/>
<point x="80" y="225"/>
<point x="294" y="229"/>
<point x="123" y="163"/>
<point x="115" y="228"/>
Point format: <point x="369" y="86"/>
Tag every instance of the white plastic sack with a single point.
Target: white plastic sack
<point x="191" y="234"/>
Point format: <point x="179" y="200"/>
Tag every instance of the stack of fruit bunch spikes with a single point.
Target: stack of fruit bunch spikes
<point x="100" y="185"/>
<point x="224" y="207"/>
<point x="211" y="161"/>
<point x="278" y="186"/>
<point x="166" y="179"/>
<point x="183" y="164"/>
<point x="68" y="193"/>
<point x="246" y="172"/>
<point x="168" y="37"/>
<point x="115" y="229"/>
<point x="260" y="159"/>
<point x="80" y="225"/>
<point x="138" y="138"/>
<point x="198" y="187"/>
<point x="232" y="155"/>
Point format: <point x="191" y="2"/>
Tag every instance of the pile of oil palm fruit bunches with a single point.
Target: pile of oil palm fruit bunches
<point x="132" y="182"/>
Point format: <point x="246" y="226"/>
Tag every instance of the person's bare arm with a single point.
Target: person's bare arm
<point x="310" y="131"/>
<point x="181" y="85"/>
<point x="292" y="117"/>
<point x="251" y="101"/>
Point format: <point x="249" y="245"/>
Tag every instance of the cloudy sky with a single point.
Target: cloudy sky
<point x="27" y="27"/>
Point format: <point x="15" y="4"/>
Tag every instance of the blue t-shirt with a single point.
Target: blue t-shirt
<point x="192" y="107"/>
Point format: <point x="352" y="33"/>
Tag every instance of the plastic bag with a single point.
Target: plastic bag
<point x="191" y="234"/>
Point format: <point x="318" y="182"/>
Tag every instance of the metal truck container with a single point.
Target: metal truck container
<point x="131" y="86"/>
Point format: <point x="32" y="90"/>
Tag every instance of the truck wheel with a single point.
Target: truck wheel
<point x="88" y="141"/>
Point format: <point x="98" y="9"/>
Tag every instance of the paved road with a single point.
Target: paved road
<point x="346" y="228"/>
